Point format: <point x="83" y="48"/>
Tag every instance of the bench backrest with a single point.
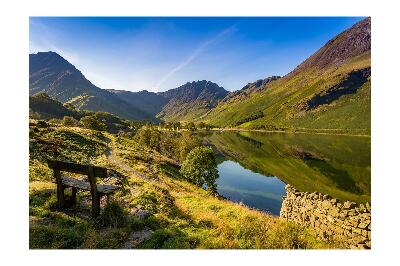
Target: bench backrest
<point x="76" y="168"/>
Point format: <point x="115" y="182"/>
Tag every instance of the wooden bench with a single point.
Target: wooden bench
<point x="92" y="172"/>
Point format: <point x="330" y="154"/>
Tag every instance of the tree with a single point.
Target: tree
<point x="169" y="144"/>
<point x="186" y="143"/>
<point x="69" y="121"/>
<point x="191" y="126"/>
<point x="149" y="137"/>
<point x="177" y="125"/>
<point x="91" y="122"/>
<point x="201" y="125"/>
<point x="200" y="168"/>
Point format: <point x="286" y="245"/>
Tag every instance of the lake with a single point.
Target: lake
<point x="254" y="167"/>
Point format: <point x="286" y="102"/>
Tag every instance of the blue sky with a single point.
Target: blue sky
<point x="156" y="54"/>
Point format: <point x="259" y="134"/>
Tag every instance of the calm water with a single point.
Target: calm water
<point x="242" y="185"/>
<point x="254" y="167"/>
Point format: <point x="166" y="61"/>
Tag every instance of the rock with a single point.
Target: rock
<point x="140" y="213"/>
<point x="138" y="237"/>
<point x="363" y="225"/>
<point x="364" y="233"/>
<point x="334" y="201"/>
<point x="348" y="205"/>
<point x="362" y="246"/>
<point x="368" y="207"/>
<point x="357" y="231"/>
<point x="334" y="212"/>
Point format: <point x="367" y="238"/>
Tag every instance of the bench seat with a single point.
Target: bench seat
<point x="80" y="184"/>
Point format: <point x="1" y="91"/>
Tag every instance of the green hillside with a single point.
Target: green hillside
<point x="330" y="90"/>
<point x="46" y="107"/>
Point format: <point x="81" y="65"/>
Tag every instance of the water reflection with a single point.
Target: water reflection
<point x="334" y="165"/>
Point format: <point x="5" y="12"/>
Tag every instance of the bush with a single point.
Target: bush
<point x="191" y="126"/>
<point x="113" y="215"/>
<point x="69" y="121"/>
<point x="91" y="122"/>
<point x="200" y="168"/>
<point x="169" y="145"/>
<point x="149" y="137"/>
<point x="55" y="121"/>
<point x="186" y="144"/>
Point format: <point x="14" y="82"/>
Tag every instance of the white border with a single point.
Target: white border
<point x="14" y="129"/>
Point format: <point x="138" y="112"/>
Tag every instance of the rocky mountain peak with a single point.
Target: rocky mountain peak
<point x="351" y="43"/>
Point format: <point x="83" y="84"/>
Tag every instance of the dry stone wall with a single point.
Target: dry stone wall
<point x="347" y="222"/>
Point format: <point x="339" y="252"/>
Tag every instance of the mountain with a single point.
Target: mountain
<point x="329" y="90"/>
<point x="52" y="74"/>
<point x="149" y="102"/>
<point x="191" y="100"/>
<point x="247" y="90"/>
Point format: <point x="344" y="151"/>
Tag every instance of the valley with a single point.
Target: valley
<point x="281" y="163"/>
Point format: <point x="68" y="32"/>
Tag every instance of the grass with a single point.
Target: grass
<point x="181" y="215"/>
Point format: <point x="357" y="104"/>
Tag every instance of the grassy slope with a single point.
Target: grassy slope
<point x="186" y="112"/>
<point x="182" y="215"/>
<point x="279" y="102"/>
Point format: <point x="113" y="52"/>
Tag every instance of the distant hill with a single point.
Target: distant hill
<point x="47" y="107"/>
<point x="329" y="90"/>
<point x="52" y="74"/>
<point x="149" y="102"/>
<point x="191" y="100"/>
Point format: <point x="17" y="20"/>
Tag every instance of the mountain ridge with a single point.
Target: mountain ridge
<point x="334" y="81"/>
<point x="50" y="73"/>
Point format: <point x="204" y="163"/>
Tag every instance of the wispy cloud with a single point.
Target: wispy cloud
<point x="196" y="53"/>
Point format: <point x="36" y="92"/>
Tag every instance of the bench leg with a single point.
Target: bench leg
<point x="73" y="195"/>
<point x="95" y="205"/>
<point x="60" y="196"/>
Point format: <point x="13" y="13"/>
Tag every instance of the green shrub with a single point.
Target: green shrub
<point x="149" y="137"/>
<point x="69" y="121"/>
<point x="200" y="168"/>
<point x="92" y="122"/>
<point x="186" y="144"/>
<point x="113" y="215"/>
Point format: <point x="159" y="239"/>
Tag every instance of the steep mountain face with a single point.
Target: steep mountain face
<point x="149" y="102"/>
<point x="329" y="90"/>
<point x="52" y="74"/>
<point x="250" y="88"/>
<point x="191" y="100"/>
<point x="349" y="44"/>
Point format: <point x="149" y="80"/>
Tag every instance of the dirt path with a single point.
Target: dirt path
<point x="112" y="158"/>
<point x="136" y="237"/>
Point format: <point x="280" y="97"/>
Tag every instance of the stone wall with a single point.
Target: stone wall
<point x="347" y="222"/>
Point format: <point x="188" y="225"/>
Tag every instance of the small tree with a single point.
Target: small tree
<point x="91" y="122"/>
<point x="70" y="121"/>
<point x="149" y="137"/>
<point x="200" y="168"/>
<point x="201" y="125"/>
<point x="191" y="126"/>
<point x="186" y="143"/>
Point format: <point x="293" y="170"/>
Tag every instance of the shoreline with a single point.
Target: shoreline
<point x="276" y="131"/>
